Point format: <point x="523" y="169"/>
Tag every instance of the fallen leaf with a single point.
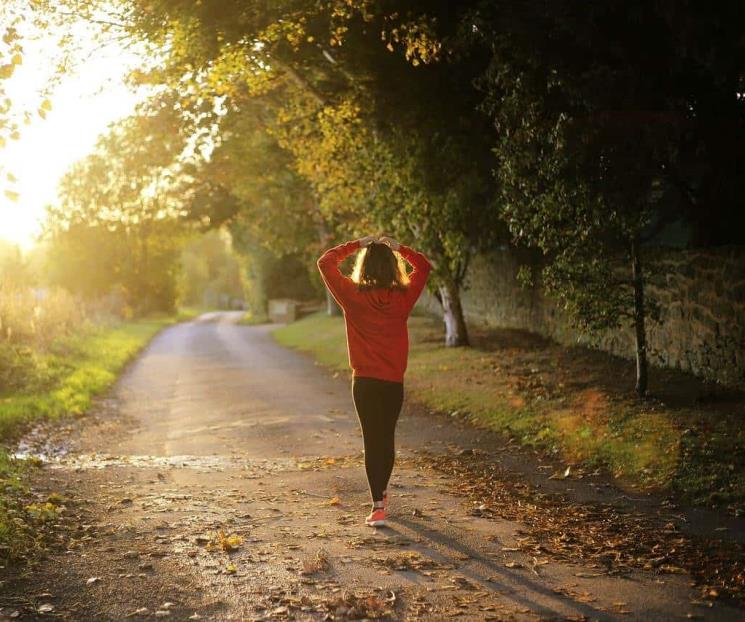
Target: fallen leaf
<point x="142" y="611"/>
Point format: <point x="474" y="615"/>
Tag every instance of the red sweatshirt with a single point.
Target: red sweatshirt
<point x="377" y="334"/>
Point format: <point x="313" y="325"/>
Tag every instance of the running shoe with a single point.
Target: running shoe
<point x="376" y="518"/>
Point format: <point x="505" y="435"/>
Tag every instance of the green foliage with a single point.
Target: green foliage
<point x="15" y="534"/>
<point x="271" y="273"/>
<point x="134" y="268"/>
<point x="255" y="261"/>
<point x="210" y="272"/>
<point x="31" y="326"/>
<point x="117" y="230"/>
<point x="274" y="204"/>
<point x="606" y="131"/>
<point x="83" y="365"/>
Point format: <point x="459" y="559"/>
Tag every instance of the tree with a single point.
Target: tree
<point x="399" y="149"/>
<point x="118" y="221"/>
<point x="603" y="137"/>
<point x="249" y="184"/>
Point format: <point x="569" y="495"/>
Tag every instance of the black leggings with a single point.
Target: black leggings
<point x="378" y="404"/>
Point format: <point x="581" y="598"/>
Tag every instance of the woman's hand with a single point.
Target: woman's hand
<point x="390" y="242"/>
<point x="366" y="241"/>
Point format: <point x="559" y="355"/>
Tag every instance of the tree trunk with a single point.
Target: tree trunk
<point x="332" y="308"/>
<point x="452" y="312"/>
<point x="639" y="320"/>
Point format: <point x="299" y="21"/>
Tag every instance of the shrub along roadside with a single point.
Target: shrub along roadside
<point x="84" y="365"/>
<point x="570" y="402"/>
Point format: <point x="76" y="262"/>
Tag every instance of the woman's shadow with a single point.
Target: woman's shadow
<point x="516" y="588"/>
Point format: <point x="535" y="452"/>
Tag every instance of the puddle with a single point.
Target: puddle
<point x="31" y="447"/>
<point x="84" y="461"/>
<point x="104" y="461"/>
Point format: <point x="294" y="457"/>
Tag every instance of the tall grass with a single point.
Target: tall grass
<point x="37" y="317"/>
<point x="35" y="325"/>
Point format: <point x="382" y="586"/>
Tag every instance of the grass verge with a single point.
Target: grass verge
<point x="572" y="402"/>
<point x="77" y="369"/>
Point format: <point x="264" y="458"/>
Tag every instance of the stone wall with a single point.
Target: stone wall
<point x="701" y="294"/>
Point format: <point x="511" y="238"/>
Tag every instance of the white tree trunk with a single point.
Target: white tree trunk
<point x="331" y="307"/>
<point x="456" y="333"/>
<point x="639" y="320"/>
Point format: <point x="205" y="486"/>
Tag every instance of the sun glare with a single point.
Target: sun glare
<point x="83" y="104"/>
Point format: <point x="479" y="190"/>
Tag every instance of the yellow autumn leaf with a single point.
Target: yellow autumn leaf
<point x="16" y="59"/>
<point x="229" y="543"/>
<point x="231" y="568"/>
<point x="334" y="501"/>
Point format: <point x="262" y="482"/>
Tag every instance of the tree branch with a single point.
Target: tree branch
<point x="301" y="81"/>
<point x="92" y="20"/>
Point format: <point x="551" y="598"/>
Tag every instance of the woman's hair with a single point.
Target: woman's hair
<point x="377" y="266"/>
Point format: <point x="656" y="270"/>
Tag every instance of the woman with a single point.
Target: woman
<point x="376" y="301"/>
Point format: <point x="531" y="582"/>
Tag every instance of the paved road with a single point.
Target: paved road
<point x="217" y="438"/>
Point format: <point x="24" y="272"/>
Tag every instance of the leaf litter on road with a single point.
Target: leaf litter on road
<point x="410" y="560"/>
<point x="603" y="536"/>
<point x="318" y="563"/>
